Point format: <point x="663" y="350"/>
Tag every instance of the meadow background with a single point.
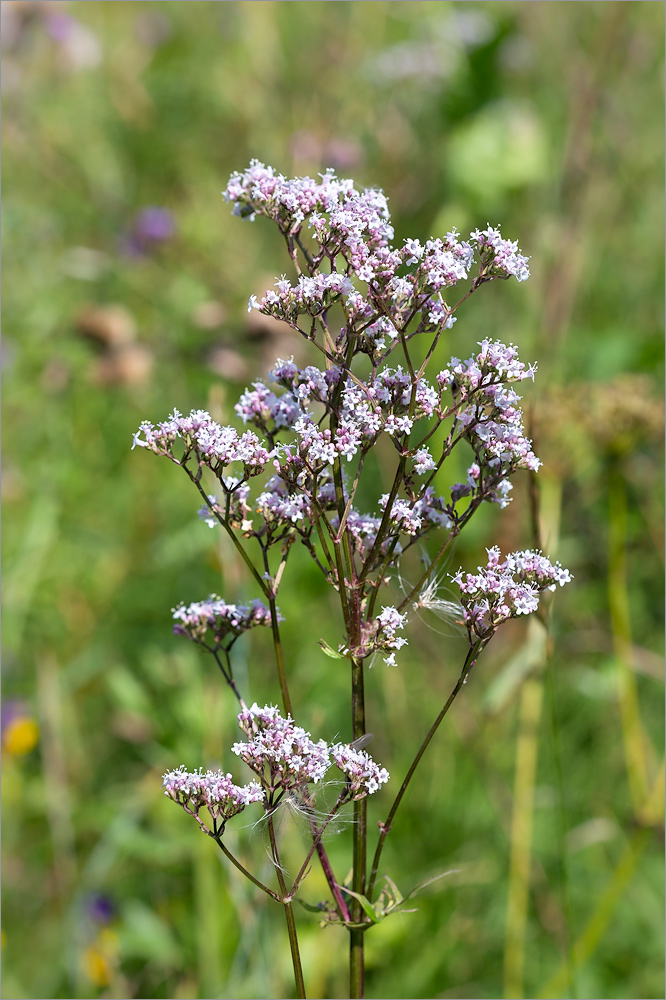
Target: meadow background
<point x="124" y="293"/>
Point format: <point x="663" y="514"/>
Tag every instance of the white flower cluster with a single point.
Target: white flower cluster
<point x="285" y="757"/>
<point x="503" y="590"/>
<point x="213" y="790"/>
<point x="224" y="621"/>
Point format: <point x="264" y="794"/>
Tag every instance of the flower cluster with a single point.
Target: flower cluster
<point x="213" y="445"/>
<point x="363" y="774"/>
<point x="215" y="790"/>
<point x="278" y="505"/>
<point x="491" y="421"/>
<point x="286" y="758"/>
<point x="310" y="296"/>
<point x="353" y="227"/>
<point x="262" y="407"/>
<point x="500" y="258"/>
<point x="386" y="625"/>
<point x="357" y="298"/>
<point x="504" y="590"/>
<point x="495" y="364"/>
<point x="283" y="755"/>
<point x="225" y="621"/>
<point x="415" y="517"/>
<point x="261" y="191"/>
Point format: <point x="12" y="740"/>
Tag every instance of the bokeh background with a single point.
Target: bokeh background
<point x="124" y="289"/>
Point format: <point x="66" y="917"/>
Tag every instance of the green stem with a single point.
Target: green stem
<point x="289" y="914"/>
<point x="236" y="863"/>
<point x="381" y="533"/>
<point x="317" y="834"/>
<point x="231" y="533"/>
<point x="279" y="656"/>
<point x="275" y="626"/>
<point x="293" y="944"/>
<point x="356" y="939"/>
<point x="386" y="826"/>
<point x="356" y="964"/>
<point x="227" y="674"/>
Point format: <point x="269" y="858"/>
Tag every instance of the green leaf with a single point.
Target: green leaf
<point x="429" y="881"/>
<point x="399" y="898"/>
<point x="334" y="655"/>
<point x="318" y="908"/>
<point x="368" y="908"/>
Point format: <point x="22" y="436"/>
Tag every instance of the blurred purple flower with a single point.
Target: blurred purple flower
<point x="12" y="709"/>
<point x="101" y="909"/>
<point x="151" y="226"/>
<point x="59" y="25"/>
<point x="77" y="45"/>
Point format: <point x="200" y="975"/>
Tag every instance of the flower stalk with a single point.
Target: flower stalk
<point x="377" y="314"/>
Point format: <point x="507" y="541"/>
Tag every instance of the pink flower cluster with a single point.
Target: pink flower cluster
<point x="215" y="790"/>
<point x="285" y="757"/>
<point x="314" y="424"/>
<point x="259" y="190"/>
<point x="260" y="406"/>
<point x="282" y="754"/>
<point x="363" y="774"/>
<point x="504" y="590"/>
<point x="386" y="625"/>
<point x="500" y="258"/>
<point x="415" y="517"/>
<point x="213" y="445"/>
<point x="495" y="364"/>
<point x="492" y="421"/>
<point x="310" y="296"/>
<point x="225" y="621"/>
<point x="353" y="227"/>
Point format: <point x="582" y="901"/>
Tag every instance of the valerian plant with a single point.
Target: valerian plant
<point x="374" y="314"/>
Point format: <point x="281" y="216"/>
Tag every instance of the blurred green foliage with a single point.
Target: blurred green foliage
<point x="544" y="789"/>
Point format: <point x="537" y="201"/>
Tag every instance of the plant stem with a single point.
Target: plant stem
<point x="381" y="533"/>
<point x="330" y="878"/>
<point x="356" y="955"/>
<point x="356" y="963"/>
<point x="227" y="673"/>
<point x="230" y="532"/>
<point x="293" y="944"/>
<point x="289" y="914"/>
<point x="317" y="834"/>
<point x="386" y="826"/>
<point x="275" y="628"/>
<point x="225" y="850"/>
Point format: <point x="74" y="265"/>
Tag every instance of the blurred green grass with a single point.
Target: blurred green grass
<point x="546" y="118"/>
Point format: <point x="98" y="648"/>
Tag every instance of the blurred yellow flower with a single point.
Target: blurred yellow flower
<point x="21" y="735"/>
<point x="96" y="966"/>
<point x="98" y="960"/>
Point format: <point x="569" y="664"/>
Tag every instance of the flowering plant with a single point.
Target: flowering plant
<point x="313" y="429"/>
